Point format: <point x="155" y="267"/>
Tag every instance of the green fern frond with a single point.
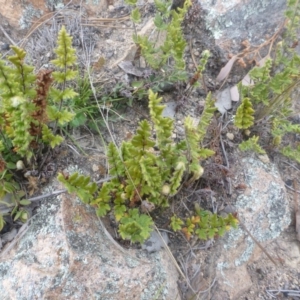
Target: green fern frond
<point x="149" y="172"/>
<point x="176" y="223"/>
<point x="62" y="116"/>
<point x="116" y="166"/>
<point x="79" y="184"/>
<point x="293" y="153"/>
<point x="22" y="75"/>
<point x="206" y="117"/>
<point x="244" y="115"/>
<point x="252" y="145"/>
<point x="163" y="126"/>
<point x="135" y="227"/>
<point x="176" y="178"/>
<point x="65" y="53"/>
<point x="142" y="139"/>
<point x="49" y="138"/>
<point x="101" y="203"/>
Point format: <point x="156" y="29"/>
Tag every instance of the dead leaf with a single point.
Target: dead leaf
<point x="186" y="233"/>
<point x="128" y="135"/>
<point x="241" y="186"/>
<point x="226" y="70"/>
<point x="147" y="206"/>
<point x="234" y="93"/>
<point x="98" y="65"/>
<point x="33" y="185"/>
<point x="223" y="102"/>
<point x="247" y="81"/>
<point x="129" y="68"/>
<point x="262" y="62"/>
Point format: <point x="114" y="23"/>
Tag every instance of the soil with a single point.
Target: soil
<point x="214" y="191"/>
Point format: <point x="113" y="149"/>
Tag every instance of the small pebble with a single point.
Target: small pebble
<point x="264" y="158"/>
<point x="230" y="136"/>
<point x="95" y="168"/>
<point x="20" y="165"/>
<point x="5" y="47"/>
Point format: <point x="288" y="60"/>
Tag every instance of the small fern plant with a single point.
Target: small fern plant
<point x="174" y="44"/>
<point x="269" y="95"/>
<point x="28" y="103"/>
<point x="147" y="172"/>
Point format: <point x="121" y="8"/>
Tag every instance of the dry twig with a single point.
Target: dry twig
<point x="7" y="36"/>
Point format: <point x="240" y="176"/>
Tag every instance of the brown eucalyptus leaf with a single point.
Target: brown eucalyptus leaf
<point x="247" y="80"/>
<point x="129" y="68"/>
<point x="223" y="102"/>
<point x="262" y="62"/>
<point x="98" y="65"/>
<point x="147" y="206"/>
<point x="226" y="70"/>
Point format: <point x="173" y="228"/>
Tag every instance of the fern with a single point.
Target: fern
<point x="293" y="153"/>
<point x="24" y="98"/>
<point x="65" y="61"/>
<point x="252" y="145"/>
<point x="80" y="185"/>
<point x="174" y="43"/>
<point x="115" y="161"/>
<point x="135" y="227"/>
<point x="176" y="223"/>
<point x="151" y="167"/>
<point x="206" y="116"/>
<point x="271" y="88"/>
<point x="163" y="126"/>
<point x="244" y="115"/>
<point x="49" y="138"/>
<point x="16" y="87"/>
<point x="176" y="178"/>
<point x="103" y="199"/>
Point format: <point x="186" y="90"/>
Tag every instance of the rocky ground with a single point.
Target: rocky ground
<point x="261" y="189"/>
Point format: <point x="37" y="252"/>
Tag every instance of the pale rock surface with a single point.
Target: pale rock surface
<point x="264" y="210"/>
<point x="232" y="21"/>
<point x="65" y="254"/>
<point x="22" y="14"/>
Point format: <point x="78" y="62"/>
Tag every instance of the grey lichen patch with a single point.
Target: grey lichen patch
<point x="54" y="4"/>
<point x="242" y="19"/>
<point x="263" y="209"/>
<point x="4" y="268"/>
<point x="131" y="262"/>
<point x="29" y="13"/>
<point x="80" y="242"/>
<point x="157" y="288"/>
<point x="249" y="247"/>
<point x="71" y="288"/>
<point x="45" y="215"/>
